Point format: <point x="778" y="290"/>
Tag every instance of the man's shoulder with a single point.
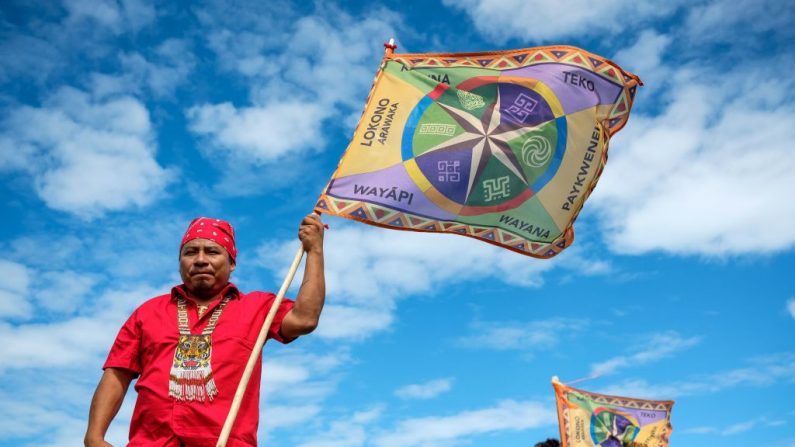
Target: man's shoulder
<point x="156" y="301"/>
<point x="259" y="299"/>
<point x="257" y="295"/>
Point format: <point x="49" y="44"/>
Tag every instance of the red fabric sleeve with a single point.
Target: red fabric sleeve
<point x="125" y="352"/>
<point x="275" y="330"/>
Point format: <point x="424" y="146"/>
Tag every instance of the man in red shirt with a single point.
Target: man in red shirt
<point x="189" y="348"/>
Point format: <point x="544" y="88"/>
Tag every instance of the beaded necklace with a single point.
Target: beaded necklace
<point x="191" y="375"/>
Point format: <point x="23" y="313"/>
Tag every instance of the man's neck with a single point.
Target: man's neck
<point x="204" y="299"/>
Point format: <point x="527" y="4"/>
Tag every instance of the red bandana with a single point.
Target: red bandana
<point x="216" y="230"/>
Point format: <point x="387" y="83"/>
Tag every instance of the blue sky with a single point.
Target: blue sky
<point x="122" y="120"/>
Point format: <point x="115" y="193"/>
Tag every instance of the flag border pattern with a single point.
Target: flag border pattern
<point x="369" y="213"/>
<point x="562" y="405"/>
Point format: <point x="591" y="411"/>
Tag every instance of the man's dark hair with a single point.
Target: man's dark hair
<point x="550" y="442"/>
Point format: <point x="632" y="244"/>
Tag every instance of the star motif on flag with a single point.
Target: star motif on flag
<point x="487" y="137"/>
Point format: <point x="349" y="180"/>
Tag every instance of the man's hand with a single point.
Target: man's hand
<point x="310" y="232"/>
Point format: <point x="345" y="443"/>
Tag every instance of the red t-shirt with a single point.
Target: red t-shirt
<point x="146" y="345"/>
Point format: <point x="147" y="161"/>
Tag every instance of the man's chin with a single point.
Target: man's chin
<point x="200" y="286"/>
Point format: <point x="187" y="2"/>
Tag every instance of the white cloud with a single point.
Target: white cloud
<point x="261" y="134"/>
<point x="117" y="16"/>
<point x="348" y="432"/>
<point x="532" y="335"/>
<point x="791" y="307"/>
<point x="64" y="291"/>
<point x="734" y="429"/>
<point x="507" y="415"/>
<point x="158" y="71"/>
<point x="656" y="347"/>
<point x="703" y="430"/>
<point x="719" y="20"/>
<point x="427" y="390"/>
<point x="149" y="242"/>
<point x="537" y="20"/>
<point x="644" y="58"/>
<point x="14" y="296"/>
<point x="59" y="407"/>
<point x="274" y="417"/>
<point x="295" y="383"/>
<point x="352" y="322"/>
<point x="86" y="157"/>
<point x="77" y="340"/>
<point x="709" y="175"/>
<point x="325" y="65"/>
<point x="82" y="340"/>
<point x="765" y="371"/>
<point x="739" y="428"/>
<point x="26" y="56"/>
<point x="297" y="377"/>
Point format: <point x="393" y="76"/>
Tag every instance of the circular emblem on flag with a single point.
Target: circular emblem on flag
<point x="613" y="428"/>
<point x="486" y="145"/>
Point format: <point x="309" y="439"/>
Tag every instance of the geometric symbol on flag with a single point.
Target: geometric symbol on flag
<point x="558" y="54"/>
<point x="437" y="129"/>
<point x="359" y="212"/>
<point x="470" y="101"/>
<point x="595" y="62"/>
<point x="519" y="58"/>
<point x="497" y="188"/>
<point x="522" y="107"/>
<point x="536" y="151"/>
<point x="449" y="171"/>
<point x="396" y="222"/>
<point x="484" y="62"/>
<point x="415" y="221"/>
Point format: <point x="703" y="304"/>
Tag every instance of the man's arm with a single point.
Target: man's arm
<point x="106" y="403"/>
<point x="305" y="314"/>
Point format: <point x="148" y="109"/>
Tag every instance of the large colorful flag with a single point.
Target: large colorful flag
<point x="502" y="146"/>
<point x="598" y="420"/>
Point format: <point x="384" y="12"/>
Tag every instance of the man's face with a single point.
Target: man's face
<point x="205" y="267"/>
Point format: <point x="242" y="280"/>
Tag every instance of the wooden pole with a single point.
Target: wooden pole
<point x="252" y="360"/>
